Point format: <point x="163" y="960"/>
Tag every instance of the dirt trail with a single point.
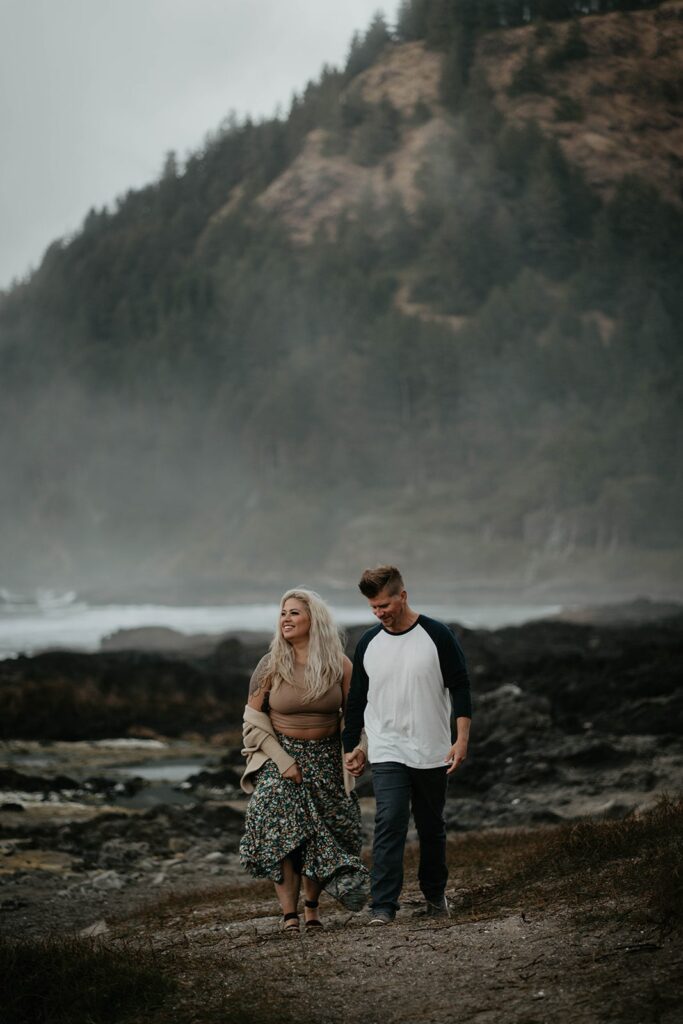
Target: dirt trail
<point x="516" y="968"/>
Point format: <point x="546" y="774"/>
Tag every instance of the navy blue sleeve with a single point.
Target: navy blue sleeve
<point x="358" y="694"/>
<point x="453" y="665"/>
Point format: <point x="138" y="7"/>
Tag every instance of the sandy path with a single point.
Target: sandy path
<point x="517" y="968"/>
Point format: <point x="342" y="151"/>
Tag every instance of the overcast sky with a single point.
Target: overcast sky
<point x="94" y="92"/>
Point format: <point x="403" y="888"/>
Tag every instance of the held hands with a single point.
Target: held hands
<point x="456" y="755"/>
<point x="293" y="773"/>
<point x="355" y="762"/>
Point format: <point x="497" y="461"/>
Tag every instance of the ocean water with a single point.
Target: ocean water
<point x="64" y="622"/>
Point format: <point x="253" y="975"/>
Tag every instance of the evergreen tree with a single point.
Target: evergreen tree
<point x="365" y="49"/>
<point x="453" y="80"/>
<point x="573" y="48"/>
<point x="378" y="134"/>
<point x="440" y="24"/>
<point x="411" y="20"/>
<point x="555" y="10"/>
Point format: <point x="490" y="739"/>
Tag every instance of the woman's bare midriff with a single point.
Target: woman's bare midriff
<point x="311" y="734"/>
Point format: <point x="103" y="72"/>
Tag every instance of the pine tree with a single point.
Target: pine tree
<point x="378" y="134"/>
<point x="364" y="50"/>
<point x="440" y="24"/>
<point x="411" y="20"/>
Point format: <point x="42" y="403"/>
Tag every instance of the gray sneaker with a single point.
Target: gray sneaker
<point x="380" y="917"/>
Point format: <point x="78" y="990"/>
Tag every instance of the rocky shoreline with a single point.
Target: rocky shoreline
<point x="573" y="721"/>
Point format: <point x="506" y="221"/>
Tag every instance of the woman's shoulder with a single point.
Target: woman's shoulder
<point x="262" y="669"/>
<point x="260" y="684"/>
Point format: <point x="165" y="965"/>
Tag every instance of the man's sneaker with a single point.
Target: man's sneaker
<point x="380" y="917"/>
<point x="437" y="908"/>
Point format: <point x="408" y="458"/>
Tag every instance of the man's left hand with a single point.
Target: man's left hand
<point x="456" y="755"/>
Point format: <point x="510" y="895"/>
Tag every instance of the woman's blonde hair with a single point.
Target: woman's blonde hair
<point x="325" y="665"/>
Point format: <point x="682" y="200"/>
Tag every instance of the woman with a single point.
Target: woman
<point x="302" y="824"/>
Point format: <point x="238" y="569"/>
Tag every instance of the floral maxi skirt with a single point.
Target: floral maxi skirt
<point x="315" y="822"/>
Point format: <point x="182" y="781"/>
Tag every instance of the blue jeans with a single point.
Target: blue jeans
<point x="397" y="789"/>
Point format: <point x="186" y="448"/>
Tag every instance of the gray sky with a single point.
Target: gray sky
<point x="94" y="92"/>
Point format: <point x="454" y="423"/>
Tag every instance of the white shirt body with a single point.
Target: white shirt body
<point x="408" y="712"/>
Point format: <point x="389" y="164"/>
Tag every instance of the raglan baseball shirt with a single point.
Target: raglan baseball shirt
<point x="400" y="692"/>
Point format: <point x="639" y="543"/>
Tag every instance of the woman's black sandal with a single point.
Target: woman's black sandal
<point x="293" y="927"/>
<point x="313" y="905"/>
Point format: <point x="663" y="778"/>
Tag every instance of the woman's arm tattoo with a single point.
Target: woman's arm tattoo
<point x="255" y="685"/>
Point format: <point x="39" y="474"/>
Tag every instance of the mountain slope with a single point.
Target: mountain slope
<point x="431" y="315"/>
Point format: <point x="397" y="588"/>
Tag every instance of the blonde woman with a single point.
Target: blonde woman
<point x="302" y="826"/>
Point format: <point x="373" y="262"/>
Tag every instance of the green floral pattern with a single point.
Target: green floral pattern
<point x="316" y="814"/>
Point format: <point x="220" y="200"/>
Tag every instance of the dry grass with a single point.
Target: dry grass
<point x="637" y="861"/>
<point x="78" y="981"/>
<point x="240" y="897"/>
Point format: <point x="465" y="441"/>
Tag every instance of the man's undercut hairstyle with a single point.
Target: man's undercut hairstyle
<point x="373" y="581"/>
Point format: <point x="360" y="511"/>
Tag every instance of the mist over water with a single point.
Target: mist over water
<point x="77" y="626"/>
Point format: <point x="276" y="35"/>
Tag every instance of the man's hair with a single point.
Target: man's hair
<point x="375" y="580"/>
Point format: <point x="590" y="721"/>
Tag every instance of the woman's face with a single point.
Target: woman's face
<point x="295" y="622"/>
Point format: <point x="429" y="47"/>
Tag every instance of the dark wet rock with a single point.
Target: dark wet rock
<point x="582" y="670"/>
<point x="110" y="788"/>
<point x="118" y="852"/>
<point x="543" y="816"/>
<point x="462" y="813"/>
<point x="658" y="716"/>
<point x="582" y="750"/>
<point x="114" y="840"/>
<point x="13" y="904"/>
<point x="643" y="779"/>
<point x="70" y="696"/>
<point x="11" y="806"/>
<point x="233" y="756"/>
<point x="10" y="779"/>
<point x="107" y="880"/>
<point x="218" y="779"/>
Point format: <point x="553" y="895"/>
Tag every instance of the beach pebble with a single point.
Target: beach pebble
<point x="107" y="880"/>
<point x="93" y="930"/>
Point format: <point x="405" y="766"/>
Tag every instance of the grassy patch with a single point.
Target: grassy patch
<point x="639" y="858"/>
<point x="77" y="981"/>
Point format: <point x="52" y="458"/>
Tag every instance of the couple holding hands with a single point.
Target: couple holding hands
<point x="394" y="708"/>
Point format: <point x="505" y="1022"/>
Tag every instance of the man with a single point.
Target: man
<point x="403" y="671"/>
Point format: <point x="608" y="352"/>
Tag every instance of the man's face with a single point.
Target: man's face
<point x="389" y="608"/>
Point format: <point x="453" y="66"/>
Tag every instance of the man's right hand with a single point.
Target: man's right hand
<point x="355" y="762"/>
<point x="293" y="773"/>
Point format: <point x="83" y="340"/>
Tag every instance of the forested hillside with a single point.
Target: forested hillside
<point x="432" y="313"/>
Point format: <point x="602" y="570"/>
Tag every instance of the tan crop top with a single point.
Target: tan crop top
<point x="288" y="711"/>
